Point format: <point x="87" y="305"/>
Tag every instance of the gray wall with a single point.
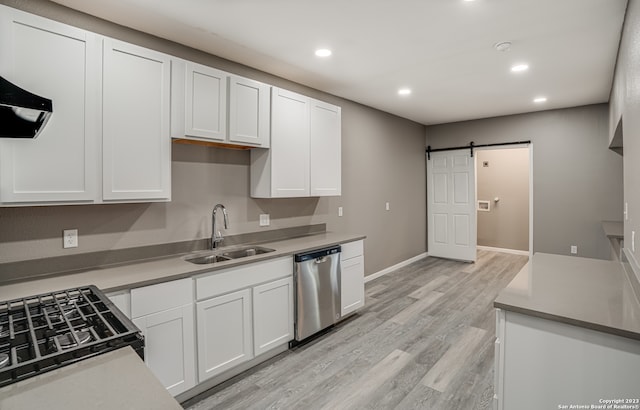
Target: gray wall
<point x="577" y="180"/>
<point x="506" y="224"/>
<point x="625" y="104"/>
<point x="382" y="160"/>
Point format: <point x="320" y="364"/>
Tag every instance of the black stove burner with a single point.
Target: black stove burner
<point x="69" y="339"/>
<point x="47" y="331"/>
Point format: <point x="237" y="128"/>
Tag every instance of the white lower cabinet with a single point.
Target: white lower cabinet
<point x="164" y="314"/>
<point x="545" y="364"/>
<point x="351" y="277"/>
<point x="241" y="313"/>
<point x="169" y="347"/>
<point x="272" y="315"/>
<point x="224" y="333"/>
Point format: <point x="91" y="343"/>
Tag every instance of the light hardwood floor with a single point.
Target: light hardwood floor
<point x="424" y="340"/>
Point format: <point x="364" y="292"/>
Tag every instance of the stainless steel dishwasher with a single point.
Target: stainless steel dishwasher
<point x="317" y="283"/>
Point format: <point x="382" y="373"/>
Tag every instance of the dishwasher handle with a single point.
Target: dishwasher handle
<point x="318" y="254"/>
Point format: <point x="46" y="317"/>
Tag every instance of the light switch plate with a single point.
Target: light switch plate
<point x="386" y="206"/>
<point x="70" y="238"/>
<point x="339" y="211"/>
<point x="574" y="249"/>
<point x="264" y="220"/>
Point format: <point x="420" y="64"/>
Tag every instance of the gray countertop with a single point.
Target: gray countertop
<point x="114" y="380"/>
<point x="613" y="229"/>
<point x="591" y="293"/>
<point x="152" y="271"/>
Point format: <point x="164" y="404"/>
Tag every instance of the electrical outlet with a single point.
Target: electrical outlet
<point x="264" y="220"/>
<point x="386" y="206"/>
<point x="339" y="211"/>
<point x="70" y="238"/>
<point x="574" y="249"/>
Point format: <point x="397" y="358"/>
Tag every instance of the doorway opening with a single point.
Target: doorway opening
<point x="503" y="192"/>
<point x="453" y="206"/>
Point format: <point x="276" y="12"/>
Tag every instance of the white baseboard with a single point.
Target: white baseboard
<point x="390" y="269"/>
<point x="503" y="250"/>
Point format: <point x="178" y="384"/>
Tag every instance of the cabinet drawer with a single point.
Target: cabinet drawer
<point x="228" y="280"/>
<point x="352" y="249"/>
<point x="160" y="297"/>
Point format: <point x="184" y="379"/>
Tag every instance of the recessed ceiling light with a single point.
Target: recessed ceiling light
<point x="519" y="68"/>
<point x="404" y="91"/>
<point x="323" y="52"/>
<point x="539" y="100"/>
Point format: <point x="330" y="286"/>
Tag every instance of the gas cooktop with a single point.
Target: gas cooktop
<point x="44" y="332"/>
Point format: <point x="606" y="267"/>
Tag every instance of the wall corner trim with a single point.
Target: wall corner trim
<point x="392" y="268"/>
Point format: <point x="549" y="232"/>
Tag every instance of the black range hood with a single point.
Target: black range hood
<point x="22" y="114"/>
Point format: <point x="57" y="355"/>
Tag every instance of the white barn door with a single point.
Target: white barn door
<point x="451" y="205"/>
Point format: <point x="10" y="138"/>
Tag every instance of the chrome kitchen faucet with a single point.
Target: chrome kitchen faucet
<point x="216" y="236"/>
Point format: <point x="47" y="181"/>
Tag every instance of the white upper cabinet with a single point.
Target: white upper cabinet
<point x="249" y="112"/>
<point x="199" y="102"/>
<point x="325" y="149"/>
<point x="136" y="109"/>
<point x="304" y="159"/>
<point x="60" y="63"/>
<point x="289" y="144"/>
<point x="210" y="105"/>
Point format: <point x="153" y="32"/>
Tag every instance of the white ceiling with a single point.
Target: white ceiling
<point x="441" y="49"/>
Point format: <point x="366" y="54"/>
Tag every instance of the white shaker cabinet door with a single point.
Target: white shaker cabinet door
<point x="249" y="112"/>
<point x="205" y="102"/>
<point x="224" y="333"/>
<point x="351" y="285"/>
<point x="289" y="144"/>
<point x="61" y="63"/>
<point x="325" y="149"/>
<point x="272" y="315"/>
<point x="169" y="347"/>
<point x="136" y="141"/>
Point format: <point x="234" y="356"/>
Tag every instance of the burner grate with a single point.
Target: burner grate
<point x="43" y="332"/>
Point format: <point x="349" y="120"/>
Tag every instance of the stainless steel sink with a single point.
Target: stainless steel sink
<point x="206" y="259"/>
<point x="221" y="255"/>
<point x="245" y="251"/>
